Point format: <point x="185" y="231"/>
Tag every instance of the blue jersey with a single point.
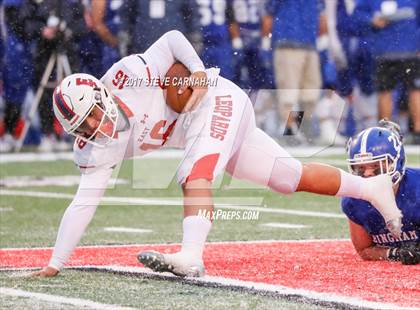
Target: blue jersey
<point x="210" y="16"/>
<point x="408" y="201"/>
<point x="212" y="21"/>
<point x="112" y="18"/>
<point x="357" y="47"/>
<point x="254" y="66"/>
<point x="295" y="22"/>
<point x="345" y="25"/>
<point x="400" y="36"/>
<point x="148" y="20"/>
<point x="248" y="15"/>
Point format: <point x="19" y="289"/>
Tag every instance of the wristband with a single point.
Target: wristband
<point x="237" y="43"/>
<point x="266" y="43"/>
<point x="393" y="254"/>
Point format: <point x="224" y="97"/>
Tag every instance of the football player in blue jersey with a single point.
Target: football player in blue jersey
<point x="213" y="18"/>
<point x="350" y="46"/>
<point x="106" y="18"/>
<point x="147" y="20"/>
<point x="379" y="150"/>
<point x="254" y="68"/>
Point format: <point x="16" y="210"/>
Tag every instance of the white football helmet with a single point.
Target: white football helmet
<point x="75" y="98"/>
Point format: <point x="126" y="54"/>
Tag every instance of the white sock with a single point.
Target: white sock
<point x="350" y="186"/>
<point x="195" y="228"/>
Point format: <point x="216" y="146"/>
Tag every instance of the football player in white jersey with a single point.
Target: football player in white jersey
<point x="113" y="121"/>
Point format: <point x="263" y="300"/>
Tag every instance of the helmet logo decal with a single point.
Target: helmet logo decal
<point x="87" y="82"/>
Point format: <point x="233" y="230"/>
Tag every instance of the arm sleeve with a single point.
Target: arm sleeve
<point x="78" y="215"/>
<point x="173" y="46"/>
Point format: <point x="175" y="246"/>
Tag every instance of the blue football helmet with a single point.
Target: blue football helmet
<point x="379" y="148"/>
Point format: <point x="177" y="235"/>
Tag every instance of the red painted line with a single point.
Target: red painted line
<point x="330" y="267"/>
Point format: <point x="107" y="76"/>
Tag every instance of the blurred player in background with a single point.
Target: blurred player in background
<point x="147" y="20"/>
<point x="295" y="25"/>
<point x="253" y="67"/>
<point x="374" y="151"/>
<point x="213" y="18"/>
<point x="350" y="46"/>
<point x="114" y="119"/>
<point x="17" y="70"/>
<point x="395" y="28"/>
<point x="107" y="22"/>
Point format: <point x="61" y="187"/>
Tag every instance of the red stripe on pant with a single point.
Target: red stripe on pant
<point x="204" y="168"/>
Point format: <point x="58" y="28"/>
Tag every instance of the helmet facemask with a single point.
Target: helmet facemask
<point x="383" y="164"/>
<point x="104" y="133"/>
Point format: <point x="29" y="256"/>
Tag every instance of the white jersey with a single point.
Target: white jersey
<point x="220" y="134"/>
<point x="135" y="82"/>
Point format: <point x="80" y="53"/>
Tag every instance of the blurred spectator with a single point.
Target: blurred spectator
<point x="329" y="109"/>
<point x="351" y="48"/>
<point x="147" y="20"/>
<point x="350" y="51"/>
<point x="106" y="22"/>
<point x="90" y="50"/>
<point x="255" y="66"/>
<point x="55" y="26"/>
<point x="212" y="18"/>
<point x="254" y="69"/>
<point x="105" y="42"/>
<point x="395" y="25"/>
<point x="295" y="25"/>
<point x="17" y="70"/>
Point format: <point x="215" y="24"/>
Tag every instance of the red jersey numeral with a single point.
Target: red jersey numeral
<point x="120" y="79"/>
<point x="156" y="134"/>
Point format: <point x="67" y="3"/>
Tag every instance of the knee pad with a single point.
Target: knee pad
<point x="276" y="168"/>
<point x="286" y="175"/>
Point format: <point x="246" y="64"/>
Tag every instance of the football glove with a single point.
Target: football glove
<point x="406" y="255"/>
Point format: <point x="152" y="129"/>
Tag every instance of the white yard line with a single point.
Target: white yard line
<point x="172" y="202"/>
<point x="6" y="209"/>
<point x="128" y="230"/>
<point x="313" y="151"/>
<point x="37" y="157"/>
<point x="285" y="225"/>
<point x="257" y="286"/>
<point x="154" y="244"/>
<point x="57" y="299"/>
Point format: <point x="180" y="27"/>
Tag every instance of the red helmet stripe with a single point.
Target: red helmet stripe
<point x="59" y="101"/>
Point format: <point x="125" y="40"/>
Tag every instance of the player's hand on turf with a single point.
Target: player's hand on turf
<point x="45" y="272"/>
<point x="409" y="256"/>
<point x="406" y="255"/>
<point x="199" y="85"/>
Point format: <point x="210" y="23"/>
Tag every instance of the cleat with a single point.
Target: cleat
<point x="380" y="194"/>
<point x="154" y="260"/>
<point x="174" y="263"/>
